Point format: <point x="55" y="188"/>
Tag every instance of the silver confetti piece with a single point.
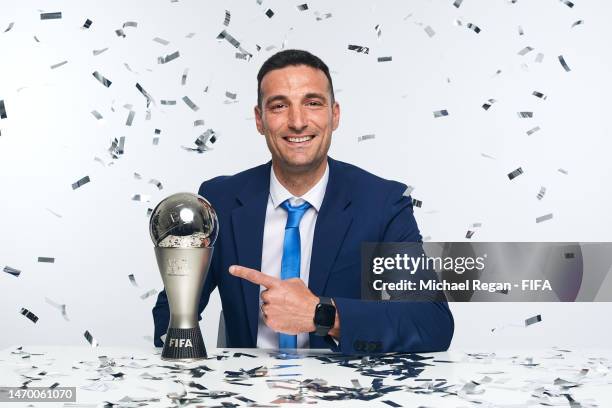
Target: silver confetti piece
<point x="577" y="23"/>
<point x="145" y="94"/>
<point x="137" y="176"/>
<point x="525" y="115"/>
<point x="101" y="78"/>
<point x="130" y="24"/>
<point x="149" y="293"/>
<point x="359" y="49"/>
<point x="457" y="3"/>
<point x="520" y="30"/>
<point x="51" y="16"/>
<point x="477" y="225"/>
<point x="190" y="103"/>
<point x="533" y="320"/>
<point x="563" y="171"/>
<point x="487" y="156"/>
<point x="525" y="51"/>
<point x="567" y="3"/>
<point x="117" y="147"/>
<point x="36" y="39"/>
<point x="141" y="197"/>
<point x="167" y="102"/>
<point x="81" y="182"/>
<point x="161" y="41"/>
<point x="302" y="7"/>
<point x="190" y="35"/>
<point x="155" y="141"/>
<point x="515" y="173"/>
<point x="199" y="122"/>
<point x="11" y="24"/>
<point x="120" y="33"/>
<point x="228" y="16"/>
<point x="99" y="160"/>
<point x="269" y="13"/>
<point x="184" y="77"/>
<point x="98" y="52"/>
<point x="60" y="307"/>
<point x="366" y="137"/>
<point x="440" y="113"/>
<point x="378" y="30"/>
<point x="469" y="234"/>
<point x="2" y="109"/>
<point x="541" y="193"/>
<point x="323" y="16"/>
<point x="539" y="58"/>
<point x="130" y="118"/>
<point x="539" y="95"/>
<point x="429" y="31"/>
<point x="471" y="26"/>
<point x="564" y="64"/>
<point x="385" y="59"/>
<point x="90" y="339"/>
<point x="532" y="130"/>
<point x="408" y="191"/>
<point x="230" y="95"/>
<point x="241" y="56"/>
<point x="543" y="218"/>
<point x="417" y="203"/>
<point x="488" y="104"/>
<point x="168" y="58"/>
<point x="33" y="318"/>
<point x="156" y="183"/>
<point x="87" y="23"/>
<point x="132" y="280"/>
<point x="12" y="271"/>
<point x="46" y="259"/>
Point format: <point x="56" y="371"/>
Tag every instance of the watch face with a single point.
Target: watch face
<point x="325" y="315"/>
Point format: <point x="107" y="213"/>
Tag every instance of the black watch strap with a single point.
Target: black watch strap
<point x="325" y="316"/>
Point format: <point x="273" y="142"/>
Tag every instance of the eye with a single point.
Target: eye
<point x="314" y="103"/>
<point x="277" y="106"/>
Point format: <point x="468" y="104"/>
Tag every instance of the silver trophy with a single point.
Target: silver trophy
<point x="184" y="229"/>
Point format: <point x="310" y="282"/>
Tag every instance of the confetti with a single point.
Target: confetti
<point x="269" y="13"/>
<point x="199" y="122"/>
<point x="132" y="280"/>
<point x="471" y="26"/>
<point x="488" y="104"/>
<point x="384" y="59"/>
<point x="430" y="31"/>
<point x="567" y="3"/>
<point x="541" y="193"/>
<point x="457" y="3"/>
<point x="130" y="24"/>
<point x="168" y="58"/>
<point x="563" y="171"/>
<point x="525" y="115"/>
<point x="408" y="191"/>
<point x="577" y="23"/>
<point x="11" y="24"/>
<point x="543" y="218"/>
<point x="156" y="183"/>
<point x="81" y="182"/>
<point x="302" y="7"/>
<point x="167" y="102"/>
<point x="98" y="52"/>
<point x="525" y="51"/>
<point x="46" y="259"/>
<point x="378" y="30"/>
<point x="90" y="339"/>
<point x="87" y="23"/>
<point x="440" y="113"/>
<point x="564" y="64"/>
<point x="539" y="95"/>
<point x="366" y="137"/>
<point x="359" y="49"/>
<point x="230" y="95"/>
<point x="33" y="318"/>
<point x="417" y="203"/>
<point x="539" y="58"/>
<point x="101" y="78"/>
<point x="130" y="118"/>
<point x="324" y="16"/>
<point x="116" y="148"/>
<point x="60" y="307"/>
<point x="12" y="271"/>
<point x="184" y="77"/>
<point x="141" y="197"/>
<point x="149" y="293"/>
<point x="514" y="174"/>
<point x="469" y="234"/>
<point x="533" y="320"/>
<point x="2" y="109"/>
<point x="161" y="41"/>
<point x="189" y="103"/>
<point x="532" y="130"/>
<point x="145" y="94"/>
<point x="120" y="33"/>
<point x="228" y="16"/>
<point x="51" y="16"/>
<point x="520" y="30"/>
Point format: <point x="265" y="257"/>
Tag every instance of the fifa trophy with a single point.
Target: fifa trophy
<point x="184" y="229"/>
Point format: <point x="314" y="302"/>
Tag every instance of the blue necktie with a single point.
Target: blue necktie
<point x="290" y="265"/>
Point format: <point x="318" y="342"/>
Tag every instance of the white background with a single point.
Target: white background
<point x="50" y="138"/>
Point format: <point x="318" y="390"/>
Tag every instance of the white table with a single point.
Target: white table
<point x="507" y="379"/>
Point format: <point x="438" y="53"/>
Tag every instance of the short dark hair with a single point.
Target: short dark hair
<point x="286" y="58"/>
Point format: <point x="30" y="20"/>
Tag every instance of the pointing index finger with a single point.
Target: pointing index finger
<point x="253" y="275"/>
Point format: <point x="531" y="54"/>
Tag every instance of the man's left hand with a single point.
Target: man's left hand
<point x="288" y="305"/>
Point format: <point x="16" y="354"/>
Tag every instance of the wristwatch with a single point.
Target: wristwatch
<point x="324" y="317"/>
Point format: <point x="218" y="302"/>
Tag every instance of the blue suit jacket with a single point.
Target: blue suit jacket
<point x="358" y="207"/>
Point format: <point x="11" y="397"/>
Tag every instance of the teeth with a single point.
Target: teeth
<point x="299" y="139"/>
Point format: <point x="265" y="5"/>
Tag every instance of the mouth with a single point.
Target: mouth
<point x="298" y="140"/>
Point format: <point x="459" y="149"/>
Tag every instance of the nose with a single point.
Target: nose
<point x="296" y="121"/>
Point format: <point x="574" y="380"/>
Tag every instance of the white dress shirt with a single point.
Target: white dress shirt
<point x="274" y="235"/>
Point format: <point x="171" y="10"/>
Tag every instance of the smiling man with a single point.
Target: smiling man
<point x="287" y="258"/>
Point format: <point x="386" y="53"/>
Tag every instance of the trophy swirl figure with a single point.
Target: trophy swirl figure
<point x="184" y="228"/>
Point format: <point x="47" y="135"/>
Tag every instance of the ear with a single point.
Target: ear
<point x="335" y="115"/>
<point x="258" y="119"/>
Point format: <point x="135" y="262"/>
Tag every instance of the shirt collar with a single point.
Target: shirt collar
<point x="314" y="196"/>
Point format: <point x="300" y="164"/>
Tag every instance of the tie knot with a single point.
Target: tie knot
<point x="294" y="214"/>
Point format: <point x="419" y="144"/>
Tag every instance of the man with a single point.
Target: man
<point x="287" y="258"/>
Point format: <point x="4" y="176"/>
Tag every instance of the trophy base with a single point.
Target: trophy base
<point x="184" y="345"/>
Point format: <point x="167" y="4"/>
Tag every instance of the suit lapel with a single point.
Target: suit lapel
<point x="333" y="222"/>
<point x="248" y="227"/>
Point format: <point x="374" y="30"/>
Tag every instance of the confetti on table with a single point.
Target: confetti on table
<point x="33" y="318"/>
<point x="51" y="16"/>
<point x="543" y="218"/>
<point x="81" y="182"/>
<point x="440" y="113"/>
<point x="515" y="173"/>
<point x="46" y="259"/>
